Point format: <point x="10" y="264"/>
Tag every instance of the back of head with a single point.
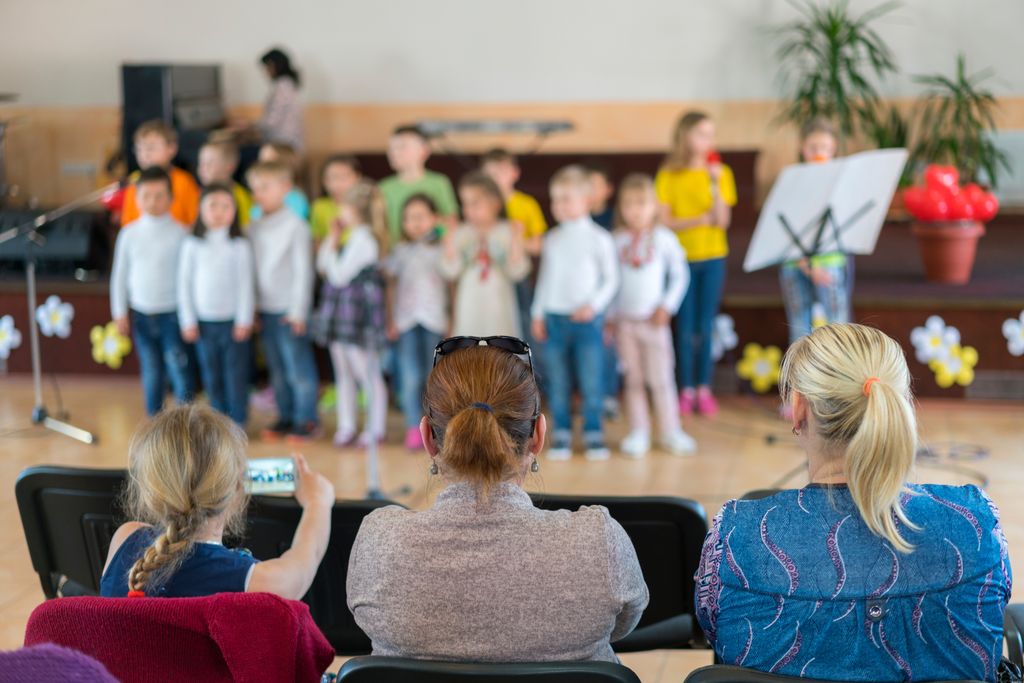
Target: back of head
<point x="857" y="386"/>
<point x="482" y="404"/>
<point x="280" y="65"/>
<point x="186" y="466"/>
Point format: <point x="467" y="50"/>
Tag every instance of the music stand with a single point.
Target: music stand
<point x="34" y="240"/>
<point x="818" y="208"/>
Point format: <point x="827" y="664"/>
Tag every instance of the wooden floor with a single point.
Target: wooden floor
<point x="744" y="448"/>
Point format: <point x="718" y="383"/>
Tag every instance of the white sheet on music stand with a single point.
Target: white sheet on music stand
<point x="803" y="192"/>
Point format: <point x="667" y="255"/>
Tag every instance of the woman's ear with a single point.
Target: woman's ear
<point x="798" y="402"/>
<point x="540" y="430"/>
<point x="427" y="434"/>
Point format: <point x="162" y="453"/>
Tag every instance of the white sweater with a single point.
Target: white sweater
<point x="216" y="282"/>
<point x="653" y="271"/>
<point x="144" y="276"/>
<point x="283" y="252"/>
<point x="577" y="268"/>
<point x="341" y="267"/>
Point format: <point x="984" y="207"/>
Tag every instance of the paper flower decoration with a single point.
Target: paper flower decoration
<point x="760" y="365"/>
<point x="109" y="347"/>
<point x="54" y="317"/>
<point x="956" y="368"/>
<point x="818" y="317"/>
<point x="934" y="340"/>
<point x="723" y="336"/>
<point x="10" y="337"/>
<point x="1013" y="330"/>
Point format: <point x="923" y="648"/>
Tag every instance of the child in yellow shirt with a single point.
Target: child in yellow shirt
<point x="218" y="161"/>
<point x="697" y="193"/>
<point x="341" y="172"/>
<point x="503" y="168"/>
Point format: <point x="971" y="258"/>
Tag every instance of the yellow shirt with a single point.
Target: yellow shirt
<point x="524" y="209"/>
<point x="243" y="204"/>
<point x="323" y="212"/>
<point x="687" y="193"/>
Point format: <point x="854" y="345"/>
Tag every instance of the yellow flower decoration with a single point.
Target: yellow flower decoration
<point x="760" y="365"/>
<point x="109" y="347"/>
<point x="956" y="368"/>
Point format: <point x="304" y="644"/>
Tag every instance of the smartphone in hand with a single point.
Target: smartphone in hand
<point x="271" y="475"/>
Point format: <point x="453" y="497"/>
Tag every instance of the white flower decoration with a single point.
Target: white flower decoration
<point x="54" y="317"/>
<point x="723" y="336"/>
<point x="934" y="340"/>
<point x="10" y="337"/>
<point x="1013" y="330"/>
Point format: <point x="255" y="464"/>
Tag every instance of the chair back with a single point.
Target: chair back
<point x="720" y="673"/>
<point x="668" y="535"/>
<point x="401" y="670"/>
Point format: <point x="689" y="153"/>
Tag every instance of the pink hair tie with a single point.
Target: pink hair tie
<point x="867" y="385"/>
<point x="136" y="594"/>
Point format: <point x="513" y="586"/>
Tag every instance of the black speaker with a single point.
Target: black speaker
<point x="188" y="97"/>
<point x="75" y="241"/>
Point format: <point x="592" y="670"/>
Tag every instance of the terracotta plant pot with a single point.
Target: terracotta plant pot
<point x="948" y="249"/>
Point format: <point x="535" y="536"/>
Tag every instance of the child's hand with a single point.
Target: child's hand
<point x="123" y="328"/>
<point x="335" y="229"/>
<point x="517" y="230"/>
<point x="298" y="326"/>
<point x="240" y="333"/>
<point x="715" y="171"/>
<point x="190" y="334"/>
<point x="660" y="317"/>
<point x="312" y="489"/>
<point x="821" y="277"/>
<point x="609" y="333"/>
<point x="539" y="330"/>
<point x="583" y="314"/>
<point x="392" y="332"/>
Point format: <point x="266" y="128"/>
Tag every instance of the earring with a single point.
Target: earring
<point x="796" y="432"/>
<point x="433" y="469"/>
<point x="535" y="466"/>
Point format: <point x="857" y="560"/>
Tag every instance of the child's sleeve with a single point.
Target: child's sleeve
<point x="246" y="311"/>
<point x="119" y="276"/>
<point x="727" y="186"/>
<point x="189" y="197"/>
<point x="677" y="273"/>
<point x="609" y="268"/>
<point x="186" y="272"/>
<point x="662" y="188"/>
<point x="540" y="294"/>
<point x="521" y="268"/>
<point x="535" y="222"/>
<point x="340" y="269"/>
<point x="451" y="267"/>
<point x="302" y="266"/>
<point x="447" y="204"/>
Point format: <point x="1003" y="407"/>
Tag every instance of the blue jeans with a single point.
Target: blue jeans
<point x="415" y="351"/>
<point x="224" y="365"/>
<point x="162" y="356"/>
<point x="292" y="368"/>
<point x="583" y="343"/>
<point x="799" y="294"/>
<point x="695" y="322"/>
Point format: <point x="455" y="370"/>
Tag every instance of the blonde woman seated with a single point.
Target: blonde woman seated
<point x="857" y="576"/>
<point x="484" y="575"/>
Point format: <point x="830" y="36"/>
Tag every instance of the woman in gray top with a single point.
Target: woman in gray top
<point x="484" y="575"/>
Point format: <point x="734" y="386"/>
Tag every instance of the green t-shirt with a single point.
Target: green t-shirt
<point x="323" y="212"/>
<point x="396" y="191"/>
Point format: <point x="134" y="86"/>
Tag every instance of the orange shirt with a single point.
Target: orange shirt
<point x="184" y="202"/>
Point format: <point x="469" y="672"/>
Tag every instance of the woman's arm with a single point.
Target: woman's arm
<point x="120" y="536"/>
<point x="291" y="575"/>
<point x="627" y="579"/>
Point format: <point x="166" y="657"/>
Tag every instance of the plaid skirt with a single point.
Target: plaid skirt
<point x="353" y="314"/>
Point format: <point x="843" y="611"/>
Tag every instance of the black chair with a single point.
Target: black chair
<point x="719" y="673"/>
<point x="668" y="534"/>
<point x="400" y="670"/>
<point x="70" y="514"/>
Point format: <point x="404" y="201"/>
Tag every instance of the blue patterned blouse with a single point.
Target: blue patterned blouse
<point x="797" y="584"/>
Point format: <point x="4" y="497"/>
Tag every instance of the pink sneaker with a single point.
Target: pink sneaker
<point x="685" y="403"/>
<point x="706" y="404"/>
<point x="413" y="440"/>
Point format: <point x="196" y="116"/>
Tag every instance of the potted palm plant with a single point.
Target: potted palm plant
<point x="957" y="117"/>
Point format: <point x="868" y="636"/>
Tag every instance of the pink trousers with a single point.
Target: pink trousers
<point x="645" y="351"/>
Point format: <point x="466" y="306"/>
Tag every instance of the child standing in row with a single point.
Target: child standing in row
<point x="143" y="280"/>
<point x="216" y="301"/>
<point x="654" y="277"/>
<point x="340" y="174"/>
<point x="284" y="154"/>
<point x="485" y="257"/>
<point x="408" y="151"/>
<point x="697" y="193"/>
<point x="578" y="279"/>
<point x="217" y="164"/>
<point x="350" y="320"/>
<point x="502" y="167"/>
<point x="417" y="307"/>
<point x="823" y="278"/>
<point x="283" y="254"/>
<point x="156" y="145"/>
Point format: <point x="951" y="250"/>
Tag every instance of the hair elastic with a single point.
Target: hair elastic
<point x="483" y="406"/>
<point x="867" y="385"/>
<point x="136" y="594"/>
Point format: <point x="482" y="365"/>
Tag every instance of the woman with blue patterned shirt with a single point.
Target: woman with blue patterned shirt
<point x="858" y="576"/>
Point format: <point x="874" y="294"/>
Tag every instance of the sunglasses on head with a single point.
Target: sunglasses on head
<point x="513" y="345"/>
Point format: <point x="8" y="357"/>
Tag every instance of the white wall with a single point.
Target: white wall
<point x="67" y="52"/>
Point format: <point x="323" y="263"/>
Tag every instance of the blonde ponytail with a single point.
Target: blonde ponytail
<point x="857" y="386"/>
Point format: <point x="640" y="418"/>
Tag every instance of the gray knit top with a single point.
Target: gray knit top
<point x="499" y="580"/>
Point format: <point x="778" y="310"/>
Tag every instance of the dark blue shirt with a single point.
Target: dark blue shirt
<point x="797" y="584"/>
<point x="209" y="568"/>
<point x="605" y="218"/>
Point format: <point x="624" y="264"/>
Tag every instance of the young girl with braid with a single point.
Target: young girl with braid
<point x="186" y="480"/>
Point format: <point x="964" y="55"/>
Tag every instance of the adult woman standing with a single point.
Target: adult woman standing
<point x="282" y="119"/>
<point x="857" y="576"/>
<point x="484" y="575"/>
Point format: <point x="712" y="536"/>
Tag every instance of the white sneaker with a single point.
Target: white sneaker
<point x="561" y="454"/>
<point x="597" y="453"/>
<point x="636" y="444"/>
<point x="679" y="443"/>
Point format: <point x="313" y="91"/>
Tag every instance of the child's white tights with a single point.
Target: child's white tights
<point x="351" y="368"/>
